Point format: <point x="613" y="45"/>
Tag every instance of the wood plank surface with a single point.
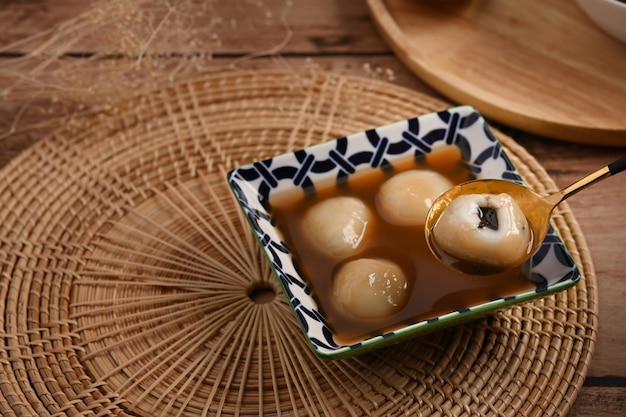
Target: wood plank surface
<point x="220" y="28"/>
<point x="340" y="36"/>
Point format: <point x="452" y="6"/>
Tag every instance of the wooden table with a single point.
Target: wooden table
<point x="340" y="36"/>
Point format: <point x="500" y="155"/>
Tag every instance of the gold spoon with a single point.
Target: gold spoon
<point x="536" y="207"/>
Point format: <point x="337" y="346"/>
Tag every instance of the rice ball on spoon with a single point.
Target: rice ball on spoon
<point x="488" y="229"/>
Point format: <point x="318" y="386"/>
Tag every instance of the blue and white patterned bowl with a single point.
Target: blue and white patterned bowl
<point x="551" y="268"/>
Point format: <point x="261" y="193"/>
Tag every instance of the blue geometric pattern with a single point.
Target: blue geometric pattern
<point x="551" y="268"/>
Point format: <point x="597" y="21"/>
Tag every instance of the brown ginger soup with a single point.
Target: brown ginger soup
<point x="435" y="289"/>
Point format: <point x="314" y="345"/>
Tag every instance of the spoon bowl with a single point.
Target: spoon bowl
<point x="535" y="207"/>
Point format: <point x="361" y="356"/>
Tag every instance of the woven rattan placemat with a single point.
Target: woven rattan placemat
<point x="129" y="279"/>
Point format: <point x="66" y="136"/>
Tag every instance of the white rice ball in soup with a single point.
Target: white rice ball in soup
<point x="405" y="198"/>
<point x="338" y="225"/>
<point x="370" y="288"/>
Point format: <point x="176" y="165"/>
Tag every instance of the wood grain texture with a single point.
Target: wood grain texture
<point x="540" y="66"/>
<point x="340" y="36"/>
<point x="599" y="402"/>
<point x="219" y="28"/>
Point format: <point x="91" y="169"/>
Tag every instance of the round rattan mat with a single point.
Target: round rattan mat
<point x="131" y="285"/>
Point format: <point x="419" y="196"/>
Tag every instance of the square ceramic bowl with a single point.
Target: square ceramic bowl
<point x="551" y="268"/>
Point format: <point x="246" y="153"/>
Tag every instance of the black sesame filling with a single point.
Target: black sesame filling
<point x="488" y="218"/>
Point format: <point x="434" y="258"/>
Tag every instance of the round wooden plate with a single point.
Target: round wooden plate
<point x="539" y="65"/>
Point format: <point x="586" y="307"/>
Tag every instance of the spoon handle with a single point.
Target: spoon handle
<point x="611" y="169"/>
<point x="617" y="166"/>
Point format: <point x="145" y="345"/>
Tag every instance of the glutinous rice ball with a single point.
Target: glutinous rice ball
<point x="370" y="288"/>
<point x="488" y="229"/>
<point x="405" y="198"/>
<point x="337" y="225"/>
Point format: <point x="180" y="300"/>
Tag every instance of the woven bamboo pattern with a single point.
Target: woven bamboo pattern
<point x="132" y="286"/>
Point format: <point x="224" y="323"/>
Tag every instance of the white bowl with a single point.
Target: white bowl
<point x="610" y="15"/>
<point x="550" y="269"/>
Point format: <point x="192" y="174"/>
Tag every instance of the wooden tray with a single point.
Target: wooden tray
<point x="537" y="65"/>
